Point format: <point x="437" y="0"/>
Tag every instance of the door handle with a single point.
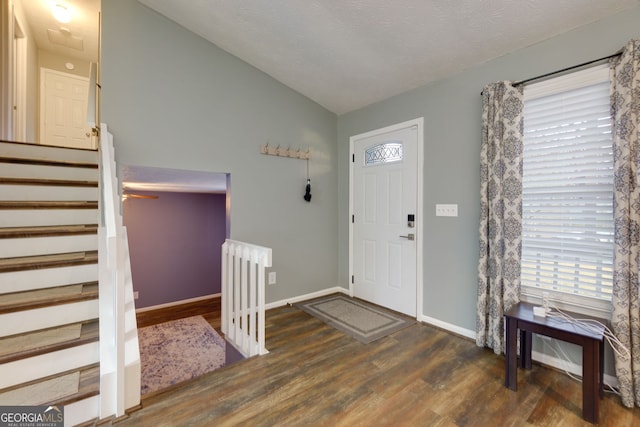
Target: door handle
<point x="410" y="236"/>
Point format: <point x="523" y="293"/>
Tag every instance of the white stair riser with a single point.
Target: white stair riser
<point x="82" y="411"/>
<point x="47" y="192"/>
<point x="24" y="370"/>
<point x="17" y="170"/>
<point x="10" y="248"/>
<point x="41" y="152"/>
<point x="19" y="281"/>
<point x="37" y="217"/>
<point x="47" y="317"/>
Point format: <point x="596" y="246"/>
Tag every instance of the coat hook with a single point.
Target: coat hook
<point x="285" y="152"/>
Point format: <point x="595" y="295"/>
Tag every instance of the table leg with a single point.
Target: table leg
<point x="601" y="367"/>
<point x="590" y="375"/>
<point x="526" y="343"/>
<point x="511" y="368"/>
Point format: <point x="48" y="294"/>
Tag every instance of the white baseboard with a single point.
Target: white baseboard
<point x="312" y="295"/>
<point x="559" y="364"/>
<point x="174" y="303"/>
<point x="448" y="327"/>
<point x="566" y="366"/>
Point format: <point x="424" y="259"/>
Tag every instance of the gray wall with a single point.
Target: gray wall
<point x="452" y="109"/>
<point x="173" y="100"/>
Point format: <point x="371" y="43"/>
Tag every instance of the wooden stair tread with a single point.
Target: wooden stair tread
<point x="48" y="231"/>
<point x="4" y="141"/>
<point x="88" y="386"/>
<point x="49" y="204"/>
<point x="48" y="261"/>
<point x="51" y="168"/>
<point x="48" y="162"/>
<point x="35" y="343"/>
<point x="38" y="298"/>
<point x="47" y="182"/>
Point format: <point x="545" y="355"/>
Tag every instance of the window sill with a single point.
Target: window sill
<point x="577" y="304"/>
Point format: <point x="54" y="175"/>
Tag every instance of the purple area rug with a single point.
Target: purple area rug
<point x="176" y="351"/>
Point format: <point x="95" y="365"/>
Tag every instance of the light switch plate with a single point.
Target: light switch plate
<point x="446" y="210"/>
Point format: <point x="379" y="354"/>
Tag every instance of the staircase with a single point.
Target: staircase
<point x="49" y="332"/>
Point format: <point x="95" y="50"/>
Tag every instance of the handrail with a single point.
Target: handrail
<point x="109" y="185"/>
<point x="114" y="287"/>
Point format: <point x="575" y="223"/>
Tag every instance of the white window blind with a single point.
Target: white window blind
<point x="567" y="201"/>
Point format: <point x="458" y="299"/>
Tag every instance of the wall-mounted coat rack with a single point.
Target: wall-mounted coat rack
<point x="273" y="150"/>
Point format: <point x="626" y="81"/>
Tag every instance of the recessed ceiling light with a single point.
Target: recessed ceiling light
<point x="61" y="13"/>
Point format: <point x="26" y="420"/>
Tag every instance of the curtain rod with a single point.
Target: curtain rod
<point x="573" y="67"/>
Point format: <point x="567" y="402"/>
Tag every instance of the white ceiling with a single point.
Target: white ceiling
<point x="346" y="54"/>
<point x="343" y="54"/>
<point x="82" y="29"/>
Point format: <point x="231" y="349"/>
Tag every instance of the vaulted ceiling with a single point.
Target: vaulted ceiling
<point x="346" y="54"/>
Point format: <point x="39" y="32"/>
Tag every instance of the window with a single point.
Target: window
<point x="567" y="200"/>
<point x="387" y="152"/>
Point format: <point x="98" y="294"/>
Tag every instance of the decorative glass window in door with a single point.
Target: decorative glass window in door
<point x="387" y="152"/>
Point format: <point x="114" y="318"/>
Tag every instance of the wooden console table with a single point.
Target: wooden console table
<point x="520" y="317"/>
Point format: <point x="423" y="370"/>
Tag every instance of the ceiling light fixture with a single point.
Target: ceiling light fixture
<point x="61" y="13"/>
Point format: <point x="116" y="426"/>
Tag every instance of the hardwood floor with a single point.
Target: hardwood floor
<point x="419" y="376"/>
<point x="208" y="308"/>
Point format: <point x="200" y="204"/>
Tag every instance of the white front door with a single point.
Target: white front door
<point x="63" y="110"/>
<point x="385" y="216"/>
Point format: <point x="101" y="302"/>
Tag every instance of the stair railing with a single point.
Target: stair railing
<point x="118" y="333"/>
<point x="243" y="295"/>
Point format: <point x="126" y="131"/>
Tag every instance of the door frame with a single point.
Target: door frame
<point x="419" y="124"/>
<point x="20" y="82"/>
<point x="6" y="69"/>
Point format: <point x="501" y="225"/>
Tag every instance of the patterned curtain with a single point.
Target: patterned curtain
<point x="500" y="211"/>
<point x="625" y="318"/>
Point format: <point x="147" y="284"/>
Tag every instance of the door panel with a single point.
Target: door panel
<point x="370" y="260"/>
<point x="64" y="110"/>
<point x="395" y="266"/>
<point x="384" y="194"/>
